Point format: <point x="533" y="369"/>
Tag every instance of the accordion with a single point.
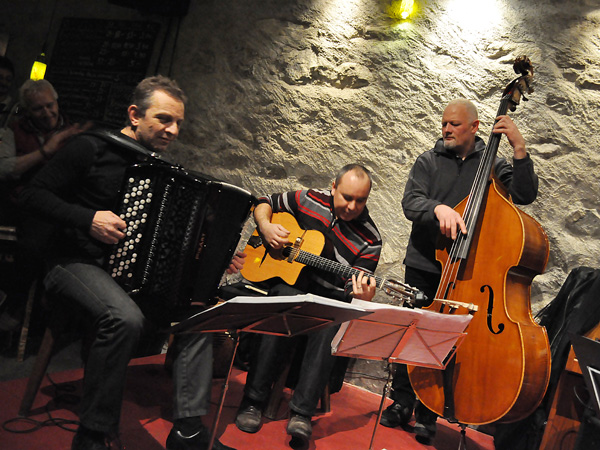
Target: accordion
<point x="182" y="231"/>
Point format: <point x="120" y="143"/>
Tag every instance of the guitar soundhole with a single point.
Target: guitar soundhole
<point x="255" y="241"/>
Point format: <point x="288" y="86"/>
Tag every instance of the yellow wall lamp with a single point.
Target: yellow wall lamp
<point x="38" y="70"/>
<point x="401" y="9"/>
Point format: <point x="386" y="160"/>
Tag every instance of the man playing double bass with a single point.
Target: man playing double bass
<point x="438" y="181"/>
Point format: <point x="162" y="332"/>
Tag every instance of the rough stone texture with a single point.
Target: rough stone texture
<point x="282" y="93"/>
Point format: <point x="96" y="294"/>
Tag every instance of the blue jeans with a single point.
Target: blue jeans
<point x="315" y="370"/>
<point x="118" y="325"/>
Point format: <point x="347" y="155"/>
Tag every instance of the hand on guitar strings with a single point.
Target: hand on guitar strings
<point x="274" y="235"/>
<point x="237" y="262"/>
<point x="363" y="286"/>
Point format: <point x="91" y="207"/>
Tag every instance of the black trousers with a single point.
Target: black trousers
<point x="402" y="391"/>
<point x="274" y="351"/>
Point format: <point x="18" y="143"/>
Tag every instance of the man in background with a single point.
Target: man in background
<point x="26" y="145"/>
<point x="7" y="76"/>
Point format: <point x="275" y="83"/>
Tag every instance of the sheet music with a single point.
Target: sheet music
<point x="427" y="337"/>
<point x="304" y="298"/>
<point x="281" y="315"/>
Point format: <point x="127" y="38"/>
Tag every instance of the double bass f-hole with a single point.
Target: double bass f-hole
<point x="490" y="310"/>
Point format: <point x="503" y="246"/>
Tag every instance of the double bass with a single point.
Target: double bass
<point x="500" y="372"/>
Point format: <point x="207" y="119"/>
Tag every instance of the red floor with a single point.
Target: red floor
<point x="146" y="411"/>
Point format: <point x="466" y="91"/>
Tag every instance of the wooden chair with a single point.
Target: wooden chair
<point x="566" y="411"/>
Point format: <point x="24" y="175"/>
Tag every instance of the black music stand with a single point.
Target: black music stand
<point x="279" y="315"/>
<point x="587" y="352"/>
<point x="400" y="335"/>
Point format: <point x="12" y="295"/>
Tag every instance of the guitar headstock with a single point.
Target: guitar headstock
<point x="403" y="292"/>
<point x="521" y="85"/>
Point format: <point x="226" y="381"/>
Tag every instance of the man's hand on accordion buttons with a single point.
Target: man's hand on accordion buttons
<point x="237" y="263"/>
<point x="107" y="227"/>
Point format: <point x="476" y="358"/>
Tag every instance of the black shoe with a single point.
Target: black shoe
<point x="299" y="427"/>
<point x="197" y="441"/>
<point x="396" y="415"/>
<point x="248" y="418"/>
<point x="425" y="432"/>
<point x="86" y="439"/>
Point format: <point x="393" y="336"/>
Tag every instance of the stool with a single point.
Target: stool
<point x="58" y="320"/>
<point x="39" y="370"/>
<point x="31" y="296"/>
<point x="8" y="252"/>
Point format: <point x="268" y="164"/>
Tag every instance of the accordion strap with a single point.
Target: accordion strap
<point x="124" y="142"/>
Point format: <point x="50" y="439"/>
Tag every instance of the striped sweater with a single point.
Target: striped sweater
<point x="356" y="243"/>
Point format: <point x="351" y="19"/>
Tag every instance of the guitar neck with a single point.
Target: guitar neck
<point x="330" y="266"/>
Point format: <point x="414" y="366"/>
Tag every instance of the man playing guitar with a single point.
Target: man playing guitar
<point x="352" y="239"/>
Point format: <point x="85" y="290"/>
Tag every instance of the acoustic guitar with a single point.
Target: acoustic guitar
<point x="264" y="263"/>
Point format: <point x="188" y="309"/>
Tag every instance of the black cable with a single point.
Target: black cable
<point x="578" y="397"/>
<point x="65" y="397"/>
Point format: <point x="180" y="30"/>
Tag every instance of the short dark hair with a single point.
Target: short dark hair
<point x="7" y="64"/>
<point x="142" y="94"/>
<point x="361" y="170"/>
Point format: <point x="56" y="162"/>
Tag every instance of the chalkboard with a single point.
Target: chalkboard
<point x="95" y="65"/>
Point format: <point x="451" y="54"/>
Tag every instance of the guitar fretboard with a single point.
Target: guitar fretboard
<point x="327" y="264"/>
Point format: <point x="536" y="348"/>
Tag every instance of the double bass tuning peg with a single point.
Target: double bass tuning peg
<point x="522" y="66"/>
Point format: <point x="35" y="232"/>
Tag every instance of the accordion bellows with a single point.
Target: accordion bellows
<point x="182" y="230"/>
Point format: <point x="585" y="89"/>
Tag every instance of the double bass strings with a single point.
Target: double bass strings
<point x="460" y="246"/>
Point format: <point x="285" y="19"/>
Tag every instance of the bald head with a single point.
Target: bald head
<point x="459" y="125"/>
<point x="468" y="106"/>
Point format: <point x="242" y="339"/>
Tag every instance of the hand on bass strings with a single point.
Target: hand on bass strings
<point x="107" y="227"/>
<point x="450" y="221"/>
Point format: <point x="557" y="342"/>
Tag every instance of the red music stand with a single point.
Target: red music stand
<point x="279" y="315"/>
<point x="400" y="335"/>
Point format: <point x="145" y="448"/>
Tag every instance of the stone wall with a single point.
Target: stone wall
<point x="282" y="93"/>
